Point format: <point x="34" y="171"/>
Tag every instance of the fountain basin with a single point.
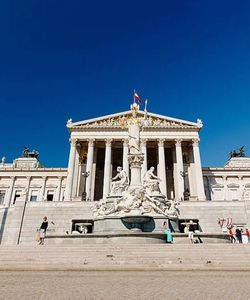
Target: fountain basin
<point x="136" y="223"/>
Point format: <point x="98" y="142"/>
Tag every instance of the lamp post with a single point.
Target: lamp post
<point x="85" y="176"/>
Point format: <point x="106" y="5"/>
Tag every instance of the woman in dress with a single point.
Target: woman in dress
<point x="167" y="233"/>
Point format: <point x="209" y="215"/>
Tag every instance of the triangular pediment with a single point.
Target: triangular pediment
<point x="121" y="119"/>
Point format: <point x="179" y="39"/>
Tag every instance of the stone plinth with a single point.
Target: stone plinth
<point x="238" y="162"/>
<point x="26" y="163"/>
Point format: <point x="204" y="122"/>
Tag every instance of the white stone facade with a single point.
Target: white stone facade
<point x="98" y="146"/>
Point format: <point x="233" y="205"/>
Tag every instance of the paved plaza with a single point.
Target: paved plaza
<point x="117" y="285"/>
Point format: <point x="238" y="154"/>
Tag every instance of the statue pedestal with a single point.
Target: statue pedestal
<point x="238" y="162"/>
<point x="135" y="161"/>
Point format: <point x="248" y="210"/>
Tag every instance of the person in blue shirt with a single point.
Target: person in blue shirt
<point x="168" y="237"/>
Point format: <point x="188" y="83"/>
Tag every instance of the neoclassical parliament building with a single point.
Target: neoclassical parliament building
<point x="212" y="197"/>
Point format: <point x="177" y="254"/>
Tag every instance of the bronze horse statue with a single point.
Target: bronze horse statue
<point x="237" y="153"/>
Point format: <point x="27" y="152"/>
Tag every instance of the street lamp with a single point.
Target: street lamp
<point x="84" y="193"/>
<point x="183" y="174"/>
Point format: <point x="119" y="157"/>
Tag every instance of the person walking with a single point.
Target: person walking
<point x="42" y="230"/>
<point x="168" y="237"/>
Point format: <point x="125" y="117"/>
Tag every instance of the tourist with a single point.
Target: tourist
<point x="248" y="235"/>
<point x="191" y="231"/>
<point x="238" y="235"/>
<point x="168" y="237"/>
<point x="231" y="235"/>
<point x="42" y="230"/>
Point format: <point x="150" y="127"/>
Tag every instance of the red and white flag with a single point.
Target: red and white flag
<point x="137" y="98"/>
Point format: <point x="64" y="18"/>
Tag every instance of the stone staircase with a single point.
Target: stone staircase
<point x="126" y="257"/>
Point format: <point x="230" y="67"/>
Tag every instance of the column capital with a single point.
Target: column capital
<point x="44" y="177"/>
<point x="108" y="142"/>
<point x="28" y="178"/>
<point x="12" y="177"/>
<point x="73" y="142"/>
<point x="178" y="142"/>
<point x="91" y="142"/>
<point x="125" y="142"/>
<point x="161" y="142"/>
<point x="78" y="144"/>
<point x="195" y="142"/>
<point x="60" y="178"/>
<point x="144" y="142"/>
<point x="240" y="177"/>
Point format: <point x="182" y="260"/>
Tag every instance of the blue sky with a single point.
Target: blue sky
<point x="82" y="59"/>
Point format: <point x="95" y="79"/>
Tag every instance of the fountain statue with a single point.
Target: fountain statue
<point x="139" y="197"/>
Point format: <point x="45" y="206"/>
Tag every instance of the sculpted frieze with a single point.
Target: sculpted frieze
<point x="123" y="121"/>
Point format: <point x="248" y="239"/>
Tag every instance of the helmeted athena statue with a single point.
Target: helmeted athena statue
<point x="136" y="197"/>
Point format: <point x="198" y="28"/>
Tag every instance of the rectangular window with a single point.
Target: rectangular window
<point x="50" y="195"/>
<point x="2" y="195"/>
<point x="34" y="195"/>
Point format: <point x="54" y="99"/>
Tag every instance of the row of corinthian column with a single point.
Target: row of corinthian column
<point x="178" y="167"/>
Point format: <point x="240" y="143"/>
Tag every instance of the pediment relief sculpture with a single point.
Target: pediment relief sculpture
<point x="123" y="120"/>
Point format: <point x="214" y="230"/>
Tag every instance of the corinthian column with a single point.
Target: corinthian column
<point x="125" y="164"/>
<point x="178" y="177"/>
<point x="144" y="151"/>
<point x="90" y="158"/>
<point x="71" y="167"/>
<point x="198" y="170"/>
<point x="107" y="168"/>
<point x="162" y="167"/>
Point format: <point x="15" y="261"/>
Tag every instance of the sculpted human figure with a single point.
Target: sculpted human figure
<point x="151" y="181"/>
<point x="119" y="182"/>
<point x="134" y="131"/>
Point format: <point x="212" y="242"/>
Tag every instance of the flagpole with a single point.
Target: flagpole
<point x="145" y="109"/>
<point x="134" y="95"/>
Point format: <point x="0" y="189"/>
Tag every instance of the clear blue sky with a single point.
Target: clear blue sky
<point x="81" y="59"/>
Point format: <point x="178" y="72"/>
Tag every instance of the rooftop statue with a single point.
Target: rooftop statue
<point x="237" y="153"/>
<point x="27" y="153"/>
